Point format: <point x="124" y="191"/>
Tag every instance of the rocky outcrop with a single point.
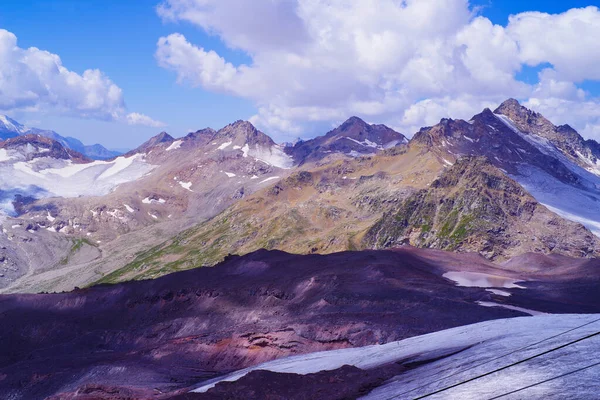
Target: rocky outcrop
<point x="473" y="206"/>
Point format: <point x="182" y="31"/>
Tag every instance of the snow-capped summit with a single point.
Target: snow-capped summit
<point x="10" y="128"/>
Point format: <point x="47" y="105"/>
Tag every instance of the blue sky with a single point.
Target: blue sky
<point x="120" y="39"/>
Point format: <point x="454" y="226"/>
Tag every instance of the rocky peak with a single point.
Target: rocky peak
<point x="510" y="105"/>
<point x="206" y="133"/>
<point x="354" y="137"/>
<point x="526" y="120"/>
<point x="245" y="132"/>
<point x="564" y="137"/>
<point x="162" y="137"/>
<point x="352" y="124"/>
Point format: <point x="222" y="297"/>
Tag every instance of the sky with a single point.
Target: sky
<point x="119" y="72"/>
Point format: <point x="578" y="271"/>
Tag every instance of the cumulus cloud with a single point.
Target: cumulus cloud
<point x="36" y="80"/>
<point x="406" y="63"/>
<point x="141" y="119"/>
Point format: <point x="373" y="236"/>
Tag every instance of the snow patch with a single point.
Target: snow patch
<point x="224" y="145"/>
<point x="148" y="200"/>
<point x="498" y="292"/>
<point x="481" y="280"/>
<point x="4" y="156"/>
<point x="175" y="145"/>
<point x="129" y="208"/>
<point x="569" y="202"/>
<point x="509" y="307"/>
<point x="273" y="155"/>
<point x="186" y="185"/>
<point x="269" y="179"/>
<point x="230" y="174"/>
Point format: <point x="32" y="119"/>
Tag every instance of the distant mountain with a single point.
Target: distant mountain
<point x="31" y="146"/>
<point x="10" y="128"/>
<point x="353" y="138"/>
<point x="240" y="137"/>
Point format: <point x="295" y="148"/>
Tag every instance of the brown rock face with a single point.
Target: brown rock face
<point x="473" y="206"/>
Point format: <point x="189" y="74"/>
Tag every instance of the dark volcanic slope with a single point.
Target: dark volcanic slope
<point x="186" y="327"/>
<point x="183" y="328"/>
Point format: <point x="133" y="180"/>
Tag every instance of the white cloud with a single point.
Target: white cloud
<point x="402" y="62"/>
<point x="141" y="119"/>
<point x="568" y="41"/>
<point x="36" y="80"/>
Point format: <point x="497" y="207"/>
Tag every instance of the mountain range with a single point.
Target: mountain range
<point x="9" y="128"/>
<point x="502" y="184"/>
<point x="353" y="238"/>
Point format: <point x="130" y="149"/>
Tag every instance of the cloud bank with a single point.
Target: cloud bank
<point x="35" y="80"/>
<point x="405" y="63"/>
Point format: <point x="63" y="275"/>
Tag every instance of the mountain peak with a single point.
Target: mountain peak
<point x="162" y="137"/>
<point x="353" y="121"/>
<point x="205" y="134"/>
<point x="353" y="138"/>
<point x="10" y="128"/>
<point x="246" y="132"/>
<point x="511" y="106"/>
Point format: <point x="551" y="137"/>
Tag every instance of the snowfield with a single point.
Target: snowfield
<point x="569" y="202"/>
<point x="49" y="177"/>
<point x="273" y="155"/>
<point x="468" y="352"/>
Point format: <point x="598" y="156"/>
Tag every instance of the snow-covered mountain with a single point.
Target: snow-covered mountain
<point x="553" y="163"/>
<point x="528" y="190"/>
<point x="166" y="181"/>
<point x="9" y="128"/>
